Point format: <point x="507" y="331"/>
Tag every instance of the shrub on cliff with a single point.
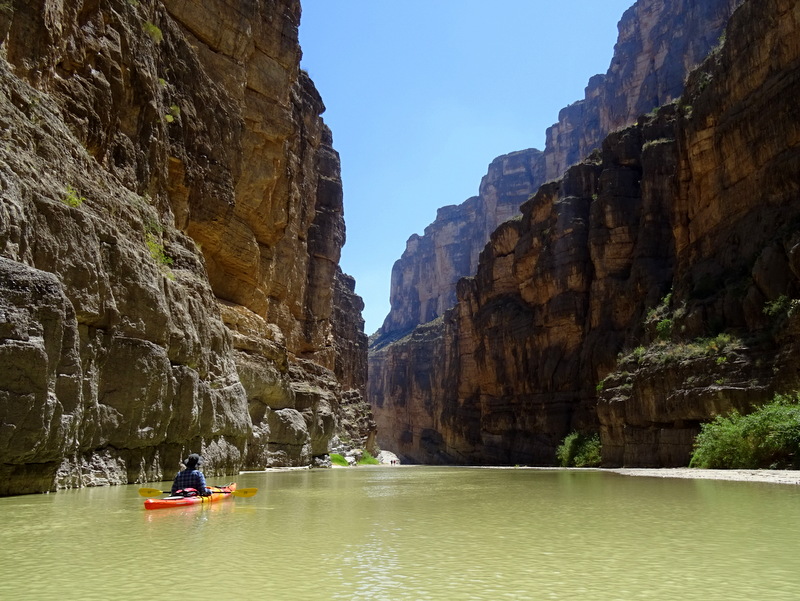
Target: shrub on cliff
<point x="579" y="450"/>
<point x="767" y="438"/>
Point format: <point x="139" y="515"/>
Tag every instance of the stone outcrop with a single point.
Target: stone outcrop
<point x="647" y="290"/>
<point x="734" y="216"/>
<point x="659" y="43"/>
<point x="424" y="278"/>
<point x="169" y="244"/>
<point x="512" y="368"/>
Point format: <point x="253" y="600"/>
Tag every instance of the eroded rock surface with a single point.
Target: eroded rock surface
<point x="424" y="279"/>
<point x="644" y="292"/>
<point x="734" y="214"/>
<point x="659" y="44"/>
<point x="170" y="230"/>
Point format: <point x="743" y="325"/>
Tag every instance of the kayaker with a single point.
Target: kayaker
<point x="191" y="477"/>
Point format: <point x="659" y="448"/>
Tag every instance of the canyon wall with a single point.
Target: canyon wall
<point x="423" y="284"/>
<point x="659" y="43"/>
<point x="171" y="227"/>
<point x="644" y="292"/>
<point x="729" y="332"/>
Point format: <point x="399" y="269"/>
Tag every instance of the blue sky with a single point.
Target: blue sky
<point x="421" y="95"/>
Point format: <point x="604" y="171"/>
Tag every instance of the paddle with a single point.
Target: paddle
<point x="241" y="492"/>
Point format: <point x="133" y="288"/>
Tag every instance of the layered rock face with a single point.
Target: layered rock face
<point x="170" y="235"/>
<point x="511" y="369"/>
<point x="647" y="290"/>
<point x="659" y="43"/>
<point x="424" y="278"/>
<point x="734" y="215"/>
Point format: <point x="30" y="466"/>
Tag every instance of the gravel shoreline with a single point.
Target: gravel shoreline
<point x="769" y="476"/>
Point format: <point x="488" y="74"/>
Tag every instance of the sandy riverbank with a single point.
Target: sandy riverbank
<point x="770" y="476"/>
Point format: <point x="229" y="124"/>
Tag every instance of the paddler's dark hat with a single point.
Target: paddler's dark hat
<point x="192" y="461"/>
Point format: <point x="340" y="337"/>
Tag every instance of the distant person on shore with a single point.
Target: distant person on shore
<point x="191" y="478"/>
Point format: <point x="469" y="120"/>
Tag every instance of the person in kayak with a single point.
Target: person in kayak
<point x="191" y="478"/>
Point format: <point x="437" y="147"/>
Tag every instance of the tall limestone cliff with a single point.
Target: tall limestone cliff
<point x="171" y="221"/>
<point x="424" y="278"/>
<point x="647" y="290"/>
<point x="659" y="43"/>
<point x="727" y="337"/>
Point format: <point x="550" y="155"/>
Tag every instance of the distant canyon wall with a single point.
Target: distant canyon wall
<point x="644" y="292"/>
<point x="171" y="228"/>
<point x="423" y="283"/>
<point x="659" y="44"/>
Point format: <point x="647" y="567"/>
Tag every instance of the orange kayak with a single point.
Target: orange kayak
<point x="220" y="493"/>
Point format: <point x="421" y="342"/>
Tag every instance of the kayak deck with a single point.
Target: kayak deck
<point x="219" y="493"/>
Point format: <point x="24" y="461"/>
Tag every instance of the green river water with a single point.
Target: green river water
<point x="412" y="533"/>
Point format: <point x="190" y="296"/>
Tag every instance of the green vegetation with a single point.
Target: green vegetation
<point x="157" y="250"/>
<point x="717" y="344"/>
<point x="656" y="142"/>
<point x="720" y="43"/>
<point x="174" y="112"/>
<point x="72" y="198"/>
<point x="664" y="329"/>
<point x="767" y="438"/>
<point x="781" y="309"/>
<point x="153" y="31"/>
<point x="777" y="307"/>
<point x="661" y="310"/>
<point x="579" y="450"/>
<point x="368" y="459"/>
<point x="337" y="459"/>
<point x="662" y="316"/>
<point x="637" y="354"/>
<point x="664" y="352"/>
<point x="704" y="79"/>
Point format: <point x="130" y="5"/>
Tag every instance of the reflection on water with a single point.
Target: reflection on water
<point x="399" y="533"/>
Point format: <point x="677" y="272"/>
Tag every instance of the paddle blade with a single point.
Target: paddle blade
<point x="151" y="492"/>
<point x="245" y="492"/>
